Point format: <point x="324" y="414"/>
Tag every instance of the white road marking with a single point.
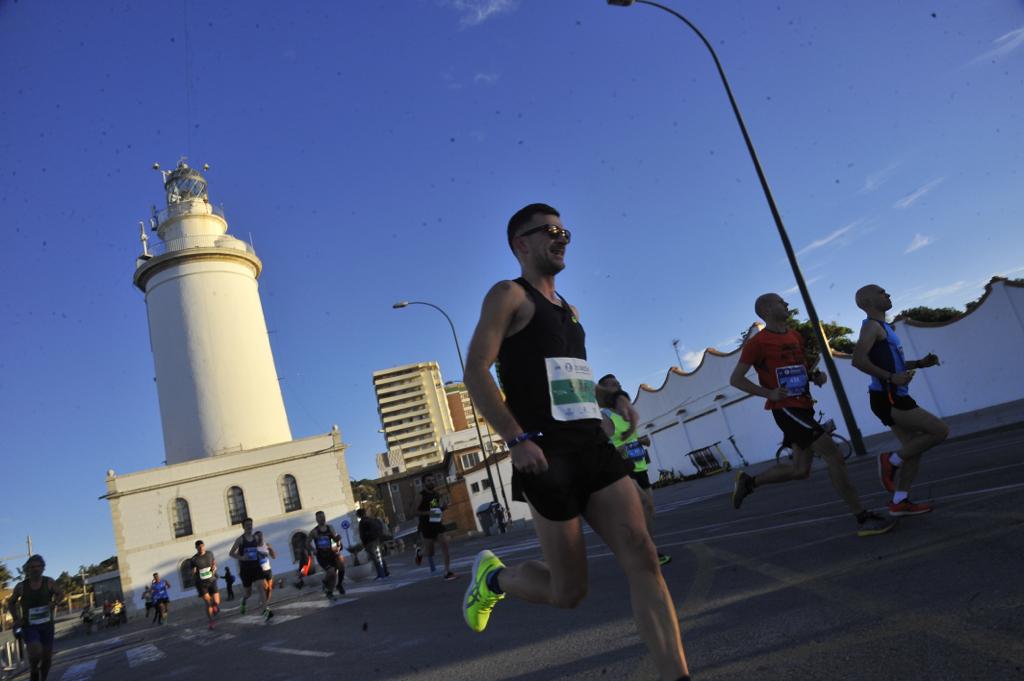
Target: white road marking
<point x="258" y="619"/>
<point x="81" y="671"/>
<point x="143" y="654"/>
<point x="203" y="638"/>
<point x="295" y="651"/>
<point x="313" y="605"/>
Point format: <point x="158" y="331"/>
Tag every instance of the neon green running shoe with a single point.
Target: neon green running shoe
<point x="479" y="600"/>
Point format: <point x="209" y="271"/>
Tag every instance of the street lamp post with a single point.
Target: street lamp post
<point x="472" y="407"/>
<point x="826" y="352"/>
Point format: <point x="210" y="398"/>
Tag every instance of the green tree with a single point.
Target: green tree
<point x="923" y="313"/>
<point x="365" y="494"/>
<point x="5" y="576"/>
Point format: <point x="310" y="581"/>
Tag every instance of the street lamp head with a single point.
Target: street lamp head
<point x="621" y="3"/>
<point x="400" y="304"/>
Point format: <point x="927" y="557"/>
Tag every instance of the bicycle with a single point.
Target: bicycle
<point x="785" y="452"/>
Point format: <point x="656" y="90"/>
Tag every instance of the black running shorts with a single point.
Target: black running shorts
<point x="431" y="530"/>
<point x="249" y="571"/>
<point x="642" y="478"/>
<point x="580" y="462"/>
<point x="328" y="560"/>
<point x="799" y="429"/>
<point x="882" y="404"/>
<point x="209" y="587"/>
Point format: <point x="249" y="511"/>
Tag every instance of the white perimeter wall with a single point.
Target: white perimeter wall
<point x="517" y="510"/>
<point x="141" y="508"/>
<point x="982" y="366"/>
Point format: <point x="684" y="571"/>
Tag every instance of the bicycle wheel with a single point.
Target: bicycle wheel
<point x="784" y="454"/>
<point x="845" y="448"/>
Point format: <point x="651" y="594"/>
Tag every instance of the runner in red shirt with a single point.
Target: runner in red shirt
<point x="777" y="353"/>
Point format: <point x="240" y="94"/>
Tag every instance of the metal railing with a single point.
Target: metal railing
<point x="201" y="241"/>
<point x="193" y="207"/>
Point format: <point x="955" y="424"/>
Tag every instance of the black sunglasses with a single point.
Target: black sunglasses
<point x="553" y="231"/>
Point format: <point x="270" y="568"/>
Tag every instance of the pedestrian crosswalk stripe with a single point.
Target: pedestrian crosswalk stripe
<point x="312" y="605"/>
<point x="295" y="651"/>
<point x="81" y="671"/>
<point x="204" y="638"/>
<point x="258" y="619"/>
<point x="143" y="654"/>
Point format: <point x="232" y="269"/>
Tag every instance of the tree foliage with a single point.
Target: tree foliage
<point x="923" y="313"/>
<point x="5" y="576"/>
<point x="365" y="494"/>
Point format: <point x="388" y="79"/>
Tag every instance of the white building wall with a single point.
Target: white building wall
<point x="982" y="366"/>
<point x="518" y="510"/>
<point x="141" y="506"/>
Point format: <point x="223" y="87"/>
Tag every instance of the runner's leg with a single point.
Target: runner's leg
<point x="442" y="539"/>
<point x="919" y="431"/>
<point x="800" y="469"/>
<point x="428" y="552"/>
<point x="616" y="515"/>
<point x="561" y="580"/>
<point x="826" y="448"/>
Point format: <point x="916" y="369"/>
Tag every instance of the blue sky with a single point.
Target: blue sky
<point x="374" y="152"/>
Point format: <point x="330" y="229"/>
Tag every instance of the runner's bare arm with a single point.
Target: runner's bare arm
<point x="273" y="554"/>
<point x="739" y="380"/>
<point x="12" y="604"/>
<point x="625" y="407"/>
<point x="501" y="308"/>
<point x="234" y="548"/>
<point x="496" y="316"/>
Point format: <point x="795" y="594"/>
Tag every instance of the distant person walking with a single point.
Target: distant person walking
<point x="879" y="354"/>
<point x="32" y="606"/>
<point x="147" y="599"/>
<point x="229" y="583"/>
<point x="371" y="531"/>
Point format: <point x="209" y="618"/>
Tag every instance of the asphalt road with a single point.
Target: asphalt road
<point x="782" y="589"/>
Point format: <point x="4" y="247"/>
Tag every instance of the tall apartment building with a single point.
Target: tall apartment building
<point x="413" y="411"/>
<point x="459" y="406"/>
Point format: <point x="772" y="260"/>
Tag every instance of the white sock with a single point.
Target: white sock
<point x="894" y="459"/>
<point x="897" y="497"/>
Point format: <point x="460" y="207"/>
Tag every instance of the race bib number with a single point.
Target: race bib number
<point x="571" y="388"/>
<point x="264" y="563"/>
<point x="251" y="553"/>
<point x="793" y="378"/>
<point x="39" y="615"/>
<point x="635" y="450"/>
<point x="205" y="573"/>
<point x="323" y="542"/>
<point x="435" y="515"/>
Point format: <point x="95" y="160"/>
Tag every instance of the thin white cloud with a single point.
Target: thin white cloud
<point x="942" y="290"/>
<point x="690" y="359"/>
<point x="876" y="179"/>
<point x="1003" y="45"/>
<point x="794" y="289"/>
<point x="485" y="78"/>
<point x="824" y="241"/>
<point x="912" y="198"/>
<point x="919" y="241"/>
<point x="476" y="12"/>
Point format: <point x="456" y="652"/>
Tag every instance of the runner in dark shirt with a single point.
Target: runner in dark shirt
<point x="31" y="605"/>
<point x="563" y="464"/>
<point x="431" y="525"/>
<point x="204" y="570"/>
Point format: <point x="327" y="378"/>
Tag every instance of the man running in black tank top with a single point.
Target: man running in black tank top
<point x="563" y="464"/>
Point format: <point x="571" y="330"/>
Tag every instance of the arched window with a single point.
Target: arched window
<point x="181" y="518"/>
<point x="290" y="494"/>
<point x="299" y="540"/>
<point x="236" y="505"/>
<point x="187" y="575"/>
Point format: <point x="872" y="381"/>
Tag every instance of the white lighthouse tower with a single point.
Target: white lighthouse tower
<point x="215" y="375"/>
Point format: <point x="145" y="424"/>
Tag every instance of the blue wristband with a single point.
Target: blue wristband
<point x="522" y="437"/>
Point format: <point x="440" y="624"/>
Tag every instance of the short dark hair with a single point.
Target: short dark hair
<point x="523" y="215"/>
<point x="198" y="542"/>
<point x="606" y="377"/>
<point x="246" y="520"/>
<point x="360" y="513"/>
